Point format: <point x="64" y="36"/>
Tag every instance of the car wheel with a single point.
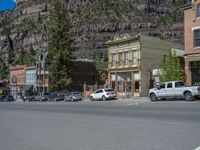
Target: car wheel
<point x="91" y="98"/>
<point x="103" y="98"/>
<point x="153" y="97"/>
<point x="188" y="96"/>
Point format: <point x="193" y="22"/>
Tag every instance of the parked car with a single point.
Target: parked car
<point x="6" y="98"/>
<point x="52" y="96"/>
<point x="174" y="89"/>
<point x="29" y="97"/>
<point x="103" y="94"/>
<point x="56" y="97"/>
<point x="41" y="96"/>
<point x="73" y="96"/>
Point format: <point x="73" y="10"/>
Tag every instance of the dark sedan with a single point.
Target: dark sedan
<point x="6" y="98"/>
<point x="56" y="97"/>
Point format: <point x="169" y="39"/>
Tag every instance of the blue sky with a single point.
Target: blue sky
<point x="7" y="4"/>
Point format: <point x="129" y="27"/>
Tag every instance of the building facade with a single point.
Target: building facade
<point x="192" y="42"/>
<point x="31" y="79"/>
<point x="17" y="80"/>
<point x="124" y="65"/>
<point x="131" y="61"/>
<point x="84" y="72"/>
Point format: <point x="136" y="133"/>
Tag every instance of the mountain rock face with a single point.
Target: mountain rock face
<point x="94" y="22"/>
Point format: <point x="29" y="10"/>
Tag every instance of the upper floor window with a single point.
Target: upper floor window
<point x="126" y="58"/>
<point x="197" y="38"/>
<point x="113" y="59"/>
<point x="121" y="59"/>
<point x="198" y="11"/>
<point x="135" y="57"/>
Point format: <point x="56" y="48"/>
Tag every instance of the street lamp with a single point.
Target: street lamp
<point x="44" y="57"/>
<point x="14" y="80"/>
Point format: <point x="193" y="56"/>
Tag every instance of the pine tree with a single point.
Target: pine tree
<point x="170" y="69"/>
<point x="25" y="58"/>
<point x="59" y="45"/>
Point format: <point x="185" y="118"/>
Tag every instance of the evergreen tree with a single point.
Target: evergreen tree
<point x="59" y="45"/>
<point x="170" y="69"/>
<point x="4" y="70"/>
<point x="25" y="58"/>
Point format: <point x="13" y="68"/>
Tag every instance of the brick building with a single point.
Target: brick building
<point x="131" y="61"/>
<point x="17" y="80"/>
<point x="192" y="42"/>
<point x="84" y="72"/>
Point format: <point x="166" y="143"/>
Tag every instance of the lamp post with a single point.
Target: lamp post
<point x="44" y="57"/>
<point x="128" y="87"/>
<point x="14" y="80"/>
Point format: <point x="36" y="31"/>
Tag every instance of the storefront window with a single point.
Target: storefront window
<point x="195" y="70"/>
<point x="121" y="86"/>
<point x="137" y="86"/>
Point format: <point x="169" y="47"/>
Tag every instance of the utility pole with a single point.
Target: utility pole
<point x="43" y="61"/>
<point x="45" y="53"/>
<point x="14" y="79"/>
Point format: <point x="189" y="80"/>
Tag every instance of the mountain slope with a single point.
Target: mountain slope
<point x="94" y="22"/>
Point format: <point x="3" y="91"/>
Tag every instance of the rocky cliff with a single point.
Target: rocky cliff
<point x="94" y="22"/>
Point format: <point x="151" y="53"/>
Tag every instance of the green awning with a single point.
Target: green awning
<point x="28" y="87"/>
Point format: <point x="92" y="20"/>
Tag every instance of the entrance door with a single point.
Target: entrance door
<point x="195" y="70"/>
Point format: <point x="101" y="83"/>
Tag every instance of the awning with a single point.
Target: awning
<point x="28" y="87"/>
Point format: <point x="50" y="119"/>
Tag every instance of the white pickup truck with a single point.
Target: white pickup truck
<point x="174" y="89"/>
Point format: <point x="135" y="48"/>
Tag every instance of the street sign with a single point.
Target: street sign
<point x="104" y="75"/>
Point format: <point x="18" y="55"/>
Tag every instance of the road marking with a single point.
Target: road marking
<point x="130" y="104"/>
<point x="198" y="148"/>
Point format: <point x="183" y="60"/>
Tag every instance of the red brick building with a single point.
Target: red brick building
<point x="192" y="42"/>
<point x="17" y="80"/>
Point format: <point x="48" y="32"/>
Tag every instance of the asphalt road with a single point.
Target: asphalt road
<point x="112" y="125"/>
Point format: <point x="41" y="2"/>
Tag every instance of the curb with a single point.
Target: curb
<point x="122" y="99"/>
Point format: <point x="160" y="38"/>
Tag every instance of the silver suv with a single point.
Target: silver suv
<point x="103" y="94"/>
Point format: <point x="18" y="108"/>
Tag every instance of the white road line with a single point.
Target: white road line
<point x="198" y="148"/>
<point x="130" y="104"/>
